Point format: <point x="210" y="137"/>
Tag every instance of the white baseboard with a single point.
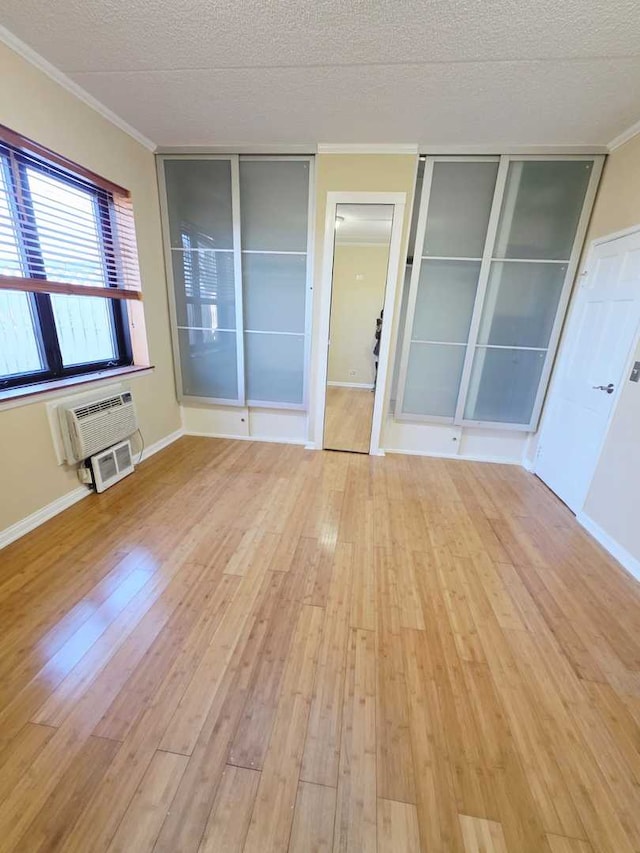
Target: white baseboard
<point x="270" y="439"/>
<point x="26" y="525"/>
<point x="368" y="385"/>
<point x="626" y="560"/>
<point x="463" y="457"/>
<point x="162" y="443"/>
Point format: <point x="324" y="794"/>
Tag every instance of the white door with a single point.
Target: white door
<point x="592" y="367"/>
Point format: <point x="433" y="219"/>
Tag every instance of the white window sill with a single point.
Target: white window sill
<point x="11" y="398"/>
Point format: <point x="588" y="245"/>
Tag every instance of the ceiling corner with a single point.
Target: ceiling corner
<point x="58" y="76"/>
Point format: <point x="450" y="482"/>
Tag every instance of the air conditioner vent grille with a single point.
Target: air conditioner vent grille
<point x="95" y="424"/>
<point x="123" y="456"/>
<point x="98" y="406"/>
<point x="111" y="465"/>
<point x="107" y="465"/>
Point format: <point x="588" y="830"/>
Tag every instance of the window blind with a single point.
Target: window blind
<point x="63" y="225"/>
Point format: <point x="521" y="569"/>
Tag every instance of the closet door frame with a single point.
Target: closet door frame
<point x="483" y="280"/>
<point x="565" y="293"/>
<point x="308" y="316"/>
<point x="414" y="282"/>
<point x="233" y="160"/>
<point x="481" y="292"/>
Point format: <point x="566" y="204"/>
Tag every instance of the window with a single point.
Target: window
<point x="68" y="267"/>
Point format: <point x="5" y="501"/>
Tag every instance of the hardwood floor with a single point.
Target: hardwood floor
<point x="348" y="416"/>
<point x="252" y="647"/>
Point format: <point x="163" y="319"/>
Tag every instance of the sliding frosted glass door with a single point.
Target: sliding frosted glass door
<point x="275" y="234"/>
<point x="496" y="248"/>
<point x="207" y="314"/>
<point x="541" y="207"/>
<point x="450" y="239"/>
<point x="237" y="242"/>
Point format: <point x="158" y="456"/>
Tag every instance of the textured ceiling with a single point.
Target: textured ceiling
<point x="444" y="72"/>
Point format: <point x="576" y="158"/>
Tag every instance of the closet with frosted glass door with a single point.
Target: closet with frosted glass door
<point x="237" y="245"/>
<point x="497" y="244"/>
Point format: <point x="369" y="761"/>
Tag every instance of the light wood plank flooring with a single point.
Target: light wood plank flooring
<point x="348" y="416"/>
<point x="251" y="647"/>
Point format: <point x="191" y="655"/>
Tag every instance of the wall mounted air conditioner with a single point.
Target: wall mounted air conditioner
<point x="111" y="465"/>
<point x="89" y="427"/>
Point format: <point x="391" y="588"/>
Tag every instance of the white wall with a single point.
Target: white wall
<point x="359" y="279"/>
<point x="613" y="497"/>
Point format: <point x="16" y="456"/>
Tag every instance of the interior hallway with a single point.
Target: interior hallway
<point x="257" y="647"/>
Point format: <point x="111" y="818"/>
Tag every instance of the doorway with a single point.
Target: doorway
<point x="375" y="218"/>
<point x="360" y="267"/>
<point x="363" y="233"/>
<point x="594" y="363"/>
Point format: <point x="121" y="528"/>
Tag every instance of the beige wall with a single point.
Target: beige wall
<point x="359" y="279"/>
<point x="32" y="104"/>
<point x="355" y="173"/>
<point x="612" y="499"/>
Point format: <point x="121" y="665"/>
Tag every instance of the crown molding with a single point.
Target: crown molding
<point x="34" y="58"/>
<point x="497" y="150"/>
<point x="625" y="136"/>
<point x="375" y="148"/>
<point x="307" y="149"/>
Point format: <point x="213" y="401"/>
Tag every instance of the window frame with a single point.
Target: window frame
<point x="17" y="154"/>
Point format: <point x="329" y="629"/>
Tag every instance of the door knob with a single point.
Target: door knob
<point x="608" y="388"/>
